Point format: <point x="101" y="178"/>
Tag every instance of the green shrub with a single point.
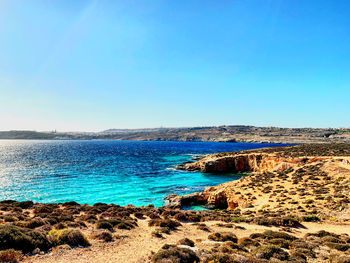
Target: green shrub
<point x="24" y="204"/>
<point x="174" y="254"/>
<point x="165" y="230"/>
<point x="239" y="219"/>
<point x="280" y="242"/>
<point x="71" y="237"/>
<point x="203" y="227"/>
<point x="270" y="235"/>
<point x="153" y="216"/>
<point x="60" y="226"/>
<point x="65" y="218"/>
<point x="23" y="239"/>
<point x="45" y="209"/>
<point x="187" y="217"/>
<point x="277" y="221"/>
<point x="171" y="224"/>
<point x="139" y="215"/>
<point x="156" y="233"/>
<point x="299" y="255"/>
<point x="321" y="233"/>
<point x="17" y="210"/>
<point x="310" y="218"/>
<point x="105" y="236"/>
<point x="246" y="242"/>
<point x="89" y="218"/>
<point x="185" y="241"/>
<point x="125" y="225"/>
<point x="229" y="247"/>
<point x="33" y="223"/>
<point x="337" y="246"/>
<point x="331" y="239"/>
<point x="122" y="223"/>
<point x="224" y="236"/>
<point x="104" y="224"/>
<point x="302" y="253"/>
<point x="219" y="258"/>
<point x="71" y="203"/>
<point x="51" y="220"/>
<point x="267" y="252"/>
<point x="101" y="206"/>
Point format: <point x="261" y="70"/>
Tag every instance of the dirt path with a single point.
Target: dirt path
<point x="137" y="245"/>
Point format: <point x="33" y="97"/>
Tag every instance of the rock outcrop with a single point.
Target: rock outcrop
<point x="175" y="201"/>
<point x="243" y="163"/>
<point x="298" y="171"/>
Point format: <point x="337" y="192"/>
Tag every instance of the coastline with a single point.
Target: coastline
<point x="225" y="133"/>
<point x="305" y="175"/>
<point x="245" y="224"/>
<point x="120" y="172"/>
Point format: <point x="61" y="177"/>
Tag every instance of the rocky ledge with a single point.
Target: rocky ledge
<point x="310" y="180"/>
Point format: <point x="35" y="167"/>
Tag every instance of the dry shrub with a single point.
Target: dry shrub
<point x="224" y="236"/>
<point x="185" y="241"/>
<point x="71" y="237"/>
<point x="171" y="224"/>
<point x="105" y="236"/>
<point x="23" y="239"/>
<point x="174" y="254"/>
<point x="10" y="256"/>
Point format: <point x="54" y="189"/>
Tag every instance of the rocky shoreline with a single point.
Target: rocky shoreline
<point x="292" y="207"/>
<point x="308" y="171"/>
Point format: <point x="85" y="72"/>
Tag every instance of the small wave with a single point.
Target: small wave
<point x="191" y="188"/>
<point x="171" y="168"/>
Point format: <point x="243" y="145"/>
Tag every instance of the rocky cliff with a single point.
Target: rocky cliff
<point x="315" y="174"/>
<point x="217" y="197"/>
<point x="256" y="162"/>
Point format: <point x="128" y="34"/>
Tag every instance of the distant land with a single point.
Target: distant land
<point x="235" y="133"/>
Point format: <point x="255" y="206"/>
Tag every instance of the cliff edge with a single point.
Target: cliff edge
<point x="306" y="180"/>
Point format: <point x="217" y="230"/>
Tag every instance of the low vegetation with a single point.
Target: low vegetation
<point x="10" y="256"/>
<point x="71" y="237"/>
<point x="174" y="254"/>
<point x="23" y="239"/>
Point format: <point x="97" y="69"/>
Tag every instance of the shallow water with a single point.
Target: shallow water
<point x="120" y="172"/>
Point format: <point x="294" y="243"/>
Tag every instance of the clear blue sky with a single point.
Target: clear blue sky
<point x="93" y="65"/>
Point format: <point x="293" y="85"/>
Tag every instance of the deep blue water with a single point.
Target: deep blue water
<point x="120" y="172"/>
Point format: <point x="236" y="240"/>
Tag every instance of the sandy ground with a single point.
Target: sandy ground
<point x="137" y="245"/>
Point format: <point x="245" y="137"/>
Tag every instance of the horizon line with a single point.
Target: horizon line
<point x="165" y="127"/>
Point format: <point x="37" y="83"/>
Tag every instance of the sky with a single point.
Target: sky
<point x="94" y="65"/>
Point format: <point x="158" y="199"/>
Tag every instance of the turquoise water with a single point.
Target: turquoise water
<point x="120" y="172"/>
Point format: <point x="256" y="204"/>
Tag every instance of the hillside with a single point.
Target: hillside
<point x="216" y="134"/>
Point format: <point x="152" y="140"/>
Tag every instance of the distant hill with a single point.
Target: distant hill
<point x="236" y="133"/>
<point x="25" y="135"/>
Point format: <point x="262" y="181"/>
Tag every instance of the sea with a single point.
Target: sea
<point x="92" y="171"/>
